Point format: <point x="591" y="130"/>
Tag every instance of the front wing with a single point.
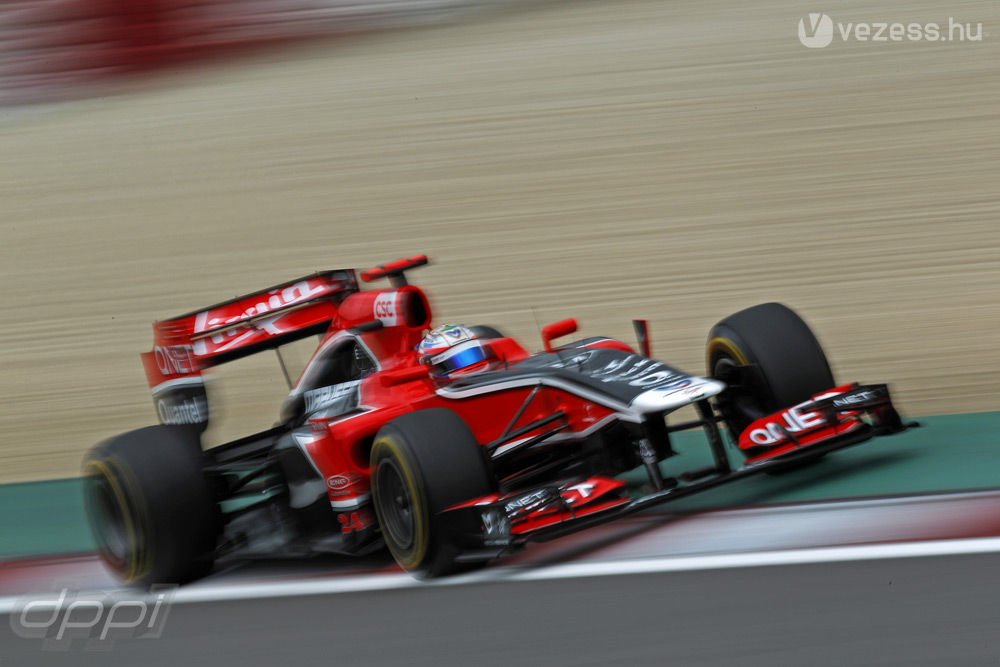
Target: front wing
<point x="489" y="526"/>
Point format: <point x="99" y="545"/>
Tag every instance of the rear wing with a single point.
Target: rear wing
<point x="187" y="344"/>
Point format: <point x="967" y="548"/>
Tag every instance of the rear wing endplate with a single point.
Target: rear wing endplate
<point x="187" y="344"/>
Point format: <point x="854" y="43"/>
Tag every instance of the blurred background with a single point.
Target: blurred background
<point x="605" y="160"/>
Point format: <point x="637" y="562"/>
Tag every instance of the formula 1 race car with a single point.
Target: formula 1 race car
<point x="450" y="456"/>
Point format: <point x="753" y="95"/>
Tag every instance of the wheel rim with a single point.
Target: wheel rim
<point x="736" y="409"/>
<point x="723" y="367"/>
<point x="395" y="504"/>
<point x="108" y="520"/>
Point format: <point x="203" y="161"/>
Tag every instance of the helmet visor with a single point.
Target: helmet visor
<point x="459" y="357"/>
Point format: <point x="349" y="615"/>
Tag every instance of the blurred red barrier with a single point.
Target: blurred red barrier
<point x="54" y="48"/>
<point x="48" y="46"/>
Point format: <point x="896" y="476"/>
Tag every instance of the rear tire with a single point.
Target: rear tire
<point x="787" y="363"/>
<point x="151" y="509"/>
<point x="422" y="464"/>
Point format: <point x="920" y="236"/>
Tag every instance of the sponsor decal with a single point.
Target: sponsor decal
<point x="676" y="393"/>
<point x="457" y="333"/>
<point x="793" y="420"/>
<point x="275" y="300"/>
<point x="657" y="379"/>
<point x="568" y="360"/>
<point x="681" y="383"/>
<point x="338" y="482"/>
<point x="385" y="308"/>
<point x="193" y="410"/>
<point x="446" y="335"/>
<point x="496" y="528"/>
<point x="646" y="451"/>
<point x="175" y="359"/>
<point x="338" y="398"/>
<point x="855" y="398"/>
<point x="695" y="392"/>
<point x="640" y="372"/>
<point x="528" y="501"/>
<point x="341" y="485"/>
<point x="583" y="490"/>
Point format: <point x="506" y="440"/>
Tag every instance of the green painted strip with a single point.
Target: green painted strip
<point x="951" y="452"/>
<point x="43" y="518"/>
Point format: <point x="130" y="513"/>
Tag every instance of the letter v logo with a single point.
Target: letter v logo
<point x="816" y="30"/>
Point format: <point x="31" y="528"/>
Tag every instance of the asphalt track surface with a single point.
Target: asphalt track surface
<point x="903" y="580"/>
<point x="929" y="611"/>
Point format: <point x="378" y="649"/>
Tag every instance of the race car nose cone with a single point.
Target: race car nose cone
<point x="677" y="395"/>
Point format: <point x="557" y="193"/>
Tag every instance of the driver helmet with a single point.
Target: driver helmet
<point x="452" y="350"/>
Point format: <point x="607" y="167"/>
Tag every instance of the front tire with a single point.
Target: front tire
<point x="151" y="509"/>
<point x="771" y="360"/>
<point x="422" y="464"/>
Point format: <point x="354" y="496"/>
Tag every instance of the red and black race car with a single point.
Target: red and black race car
<point x="448" y="459"/>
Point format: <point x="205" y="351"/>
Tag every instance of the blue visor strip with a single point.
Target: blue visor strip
<point x="464" y="359"/>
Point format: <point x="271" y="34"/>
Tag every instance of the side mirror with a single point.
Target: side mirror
<point x="557" y="330"/>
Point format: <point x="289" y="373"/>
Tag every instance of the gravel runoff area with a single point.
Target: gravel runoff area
<point x="604" y="160"/>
